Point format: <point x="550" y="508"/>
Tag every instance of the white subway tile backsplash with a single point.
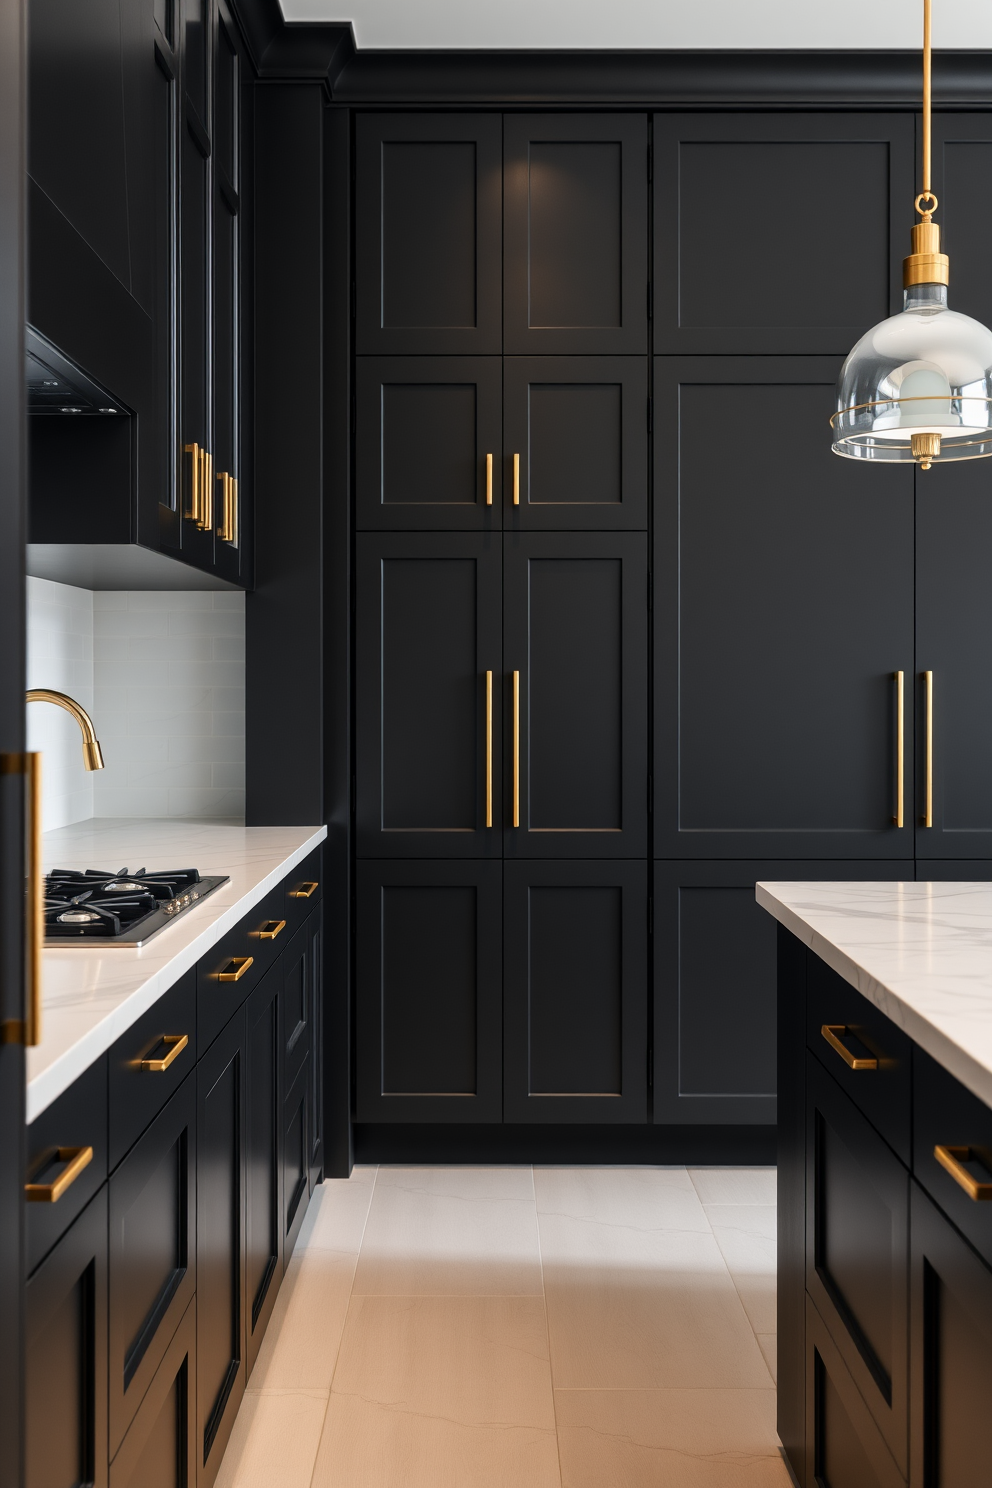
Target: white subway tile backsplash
<point x="60" y="657"/>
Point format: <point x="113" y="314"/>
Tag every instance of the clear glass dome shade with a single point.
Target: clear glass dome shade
<point x="918" y="386"/>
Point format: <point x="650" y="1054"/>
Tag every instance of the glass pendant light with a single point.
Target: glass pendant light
<point x="918" y="386"/>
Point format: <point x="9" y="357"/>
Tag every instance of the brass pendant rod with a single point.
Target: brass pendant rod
<point x="926" y="97"/>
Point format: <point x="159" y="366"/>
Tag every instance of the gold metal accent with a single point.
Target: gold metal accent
<point x="204" y="518"/>
<point x="832" y="1032"/>
<point x="894" y="403"/>
<point x="92" y="753"/>
<point x="927" y="99"/>
<point x="223" y="530"/>
<point x="489" y="480"/>
<point x="271" y="929"/>
<point x="953" y="1159"/>
<point x="926" y="449"/>
<point x="489" y="749"/>
<point x="235" y="968"/>
<point x="193" y="504"/>
<point x="900" y="745"/>
<point x="305" y="891"/>
<point x="516" y="480"/>
<point x="516" y="749"/>
<point x="928" y="785"/>
<point x="176" y="1043"/>
<point x="233" y="539"/>
<point x="77" y="1159"/>
<point x="27" y="1030"/>
<point x="926" y="264"/>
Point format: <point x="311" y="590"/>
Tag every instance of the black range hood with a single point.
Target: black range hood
<point x="56" y="386"/>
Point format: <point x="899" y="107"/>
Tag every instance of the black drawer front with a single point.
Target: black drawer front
<point x="300" y="895"/>
<point x="152" y="1253"/>
<point x="948" y="1116"/>
<point x="296" y="1002"/>
<point x="844" y="1447"/>
<point x="295" y="1161"/>
<point x="77" y="1120"/>
<point x="857" y="1251"/>
<point x="224" y="978"/>
<point x="160" y="1446"/>
<point x="882" y="1092"/>
<point x="147" y="1064"/>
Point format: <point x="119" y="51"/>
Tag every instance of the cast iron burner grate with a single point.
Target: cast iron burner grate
<point x="122" y="908"/>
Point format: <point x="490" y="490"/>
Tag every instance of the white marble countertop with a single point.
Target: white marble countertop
<point x="93" y="994"/>
<point x="921" y="952"/>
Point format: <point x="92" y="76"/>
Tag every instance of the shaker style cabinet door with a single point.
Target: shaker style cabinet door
<point x="574" y="695"/>
<point x="576" y="443"/>
<point x="429" y="992"/>
<point x="159" y="1450"/>
<point x="428" y="660"/>
<point x="783" y="608"/>
<point x="428" y="445"/>
<point x="743" y="259"/>
<point x="575" y="189"/>
<point x="428" y="234"/>
<point x="575" y="992"/>
<point x="263" y="1236"/>
<point x="962" y="179"/>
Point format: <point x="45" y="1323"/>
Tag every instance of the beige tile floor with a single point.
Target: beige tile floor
<point x="522" y="1328"/>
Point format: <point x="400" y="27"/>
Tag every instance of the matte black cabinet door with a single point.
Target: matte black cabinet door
<point x="783" y="605"/>
<point x="575" y="750"/>
<point x="295" y="1149"/>
<point x="263" y="1232"/>
<point x="729" y="279"/>
<point x="951" y="1358"/>
<point x="314" y="932"/>
<point x="220" y="1244"/>
<point x="578" y="429"/>
<point x="962" y="179"/>
<point x="159" y="1450"/>
<point x="575" y="992"/>
<point x="428" y="233"/>
<point x="575" y="189"/>
<point x="428" y="633"/>
<point x="65" y="1385"/>
<point x="195" y="304"/>
<point x="429" y="994"/>
<point x="296" y="1036"/>
<point x="844" y="1447"/>
<point x="428" y="444"/>
<point x="225" y="501"/>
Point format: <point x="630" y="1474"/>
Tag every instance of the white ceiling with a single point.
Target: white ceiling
<point x="652" y="24"/>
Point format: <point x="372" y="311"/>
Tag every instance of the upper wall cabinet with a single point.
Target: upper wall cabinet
<point x="778" y="233"/>
<point x="575" y="265"/>
<point x="429" y="233"/>
<point x="962" y="179"/>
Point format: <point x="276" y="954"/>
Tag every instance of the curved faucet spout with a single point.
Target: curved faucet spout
<point x="92" y="753"/>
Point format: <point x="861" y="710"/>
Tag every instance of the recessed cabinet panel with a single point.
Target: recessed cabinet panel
<point x="263" y="1259"/>
<point x="844" y="1447"/>
<point x="428" y="969"/>
<point x="428" y="633"/>
<point x="962" y="172"/>
<point x="428" y="444"/>
<point x="783" y="604"/>
<point x="575" y="1003"/>
<point x="575" y="248"/>
<point x="295" y="1160"/>
<point x="429" y="233"/>
<point x="579" y="427"/>
<point x="729" y="279"/>
<point x="159" y="1450"/>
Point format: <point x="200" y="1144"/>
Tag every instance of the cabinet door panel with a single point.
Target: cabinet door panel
<point x="429" y="992"/>
<point x="263" y="1259"/>
<point x="428" y="233"/>
<point x="428" y="628"/>
<point x="783" y="607"/>
<point x="962" y="179"/>
<point x="575" y="245"/>
<point x="580" y="427"/>
<point x="295" y="1154"/>
<point x="425" y="428"/>
<point x="774" y="284"/>
<point x="576" y="630"/>
<point x="314" y="932"/>
<point x="227" y="320"/>
<point x="159" y="1450"/>
<point x="575" y="993"/>
<point x="844" y="1447"/>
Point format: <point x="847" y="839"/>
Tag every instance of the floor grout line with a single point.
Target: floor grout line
<point x="547" y="1329"/>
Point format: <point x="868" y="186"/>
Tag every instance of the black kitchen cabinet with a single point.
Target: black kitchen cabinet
<point x="962" y="174"/>
<point x="295" y="1152"/>
<point x="263" y="1232"/>
<point x="296" y="1040"/>
<point x="575" y="992"/>
<point x="159" y="1450"/>
<point x="844" y="1447"/>
<point x="66" y="1368"/>
<point x="195" y="283"/>
<point x="428" y="234"/>
<point x="314" y="933"/>
<point x="429" y="992"/>
<point x="575" y="272"/>
<point x="783" y="607"/>
<point x="64" y="1132"/>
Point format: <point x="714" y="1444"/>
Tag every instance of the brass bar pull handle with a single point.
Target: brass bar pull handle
<point x="304" y="891"/>
<point x="76" y="1158"/>
<point x="832" y="1033"/>
<point x="176" y="1043"/>
<point x="271" y="929"/>
<point x="489" y="749"/>
<point x="205" y="518"/>
<point x="516" y="749"/>
<point x="928" y="731"/>
<point x="954" y="1159"/>
<point x="235" y="968"/>
<point x="193" y="505"/>
<point x="233" y="539"/>
<point x="489" y="480"/>
<point x="900" y="745"/>
<point x="224" y="530"/>
<point x="516" y="480"/>
<point x="26" y="1030"/>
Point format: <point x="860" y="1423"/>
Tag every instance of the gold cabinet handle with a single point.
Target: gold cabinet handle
<point x="76" y="1158"/>
<point x="489" y="480"/>
<point x="954" y="1159"/>
<point x="304" y="891"/>
<point x="489" y="749"/>
<point x="204" y="519"/>
<point x="224" y="481"/>
<point x="516" y="749"/>
<point x="235" y="968"/>
<point x="516" y="480"/>
<point x="233" y="539"/>
<point x="27" y="1030"/>
<point x="176" y="1043"/>
<point x="928" y="747"/>
<point x="832" y="1033"/>
<point x="271" y="929"/>
<point x="193" y="505"/>
<point x="900" y="745"/>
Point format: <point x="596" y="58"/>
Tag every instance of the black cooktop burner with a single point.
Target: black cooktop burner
<point x="122" y="908"/>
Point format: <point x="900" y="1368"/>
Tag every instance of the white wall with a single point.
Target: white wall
<point x="60" y="656"/>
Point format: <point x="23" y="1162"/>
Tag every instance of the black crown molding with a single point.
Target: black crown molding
<point x="292" y="51"/>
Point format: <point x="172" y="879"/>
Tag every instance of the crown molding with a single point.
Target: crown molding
<point x="288" y="51"/>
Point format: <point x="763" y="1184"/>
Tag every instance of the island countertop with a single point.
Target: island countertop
<point x="921" y="952"/>
<point x="92" y="994"/>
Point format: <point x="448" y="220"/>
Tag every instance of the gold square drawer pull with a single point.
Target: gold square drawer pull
<point x="175" y="1043"/>
<point x="954" y="1159"/>
<point x="76" y="1159"/>
<point x="833" y="1033"/>
<point x="235" y="968"/>
<point x="304" y="891"/>
<point x="271" y="929"/>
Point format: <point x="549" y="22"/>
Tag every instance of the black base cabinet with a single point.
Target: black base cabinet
<point x="159" y="1450"/>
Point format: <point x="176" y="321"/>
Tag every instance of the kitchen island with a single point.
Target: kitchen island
<point x="885" y="1177"/>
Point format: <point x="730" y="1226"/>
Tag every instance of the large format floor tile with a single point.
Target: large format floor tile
<point x="634" y="1198"/>
<point x="735" y="1185"/>
<point x="300" y="1347"/>
<point x="274" y="1441"/>
<point x="338" y="1213"/>
<point x="746" y="1236"/>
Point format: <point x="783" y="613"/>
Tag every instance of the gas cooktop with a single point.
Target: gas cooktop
<point x="119" y="909"/>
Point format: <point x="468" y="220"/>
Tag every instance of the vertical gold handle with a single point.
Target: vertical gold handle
<point x="233" y="539"/>
<point x="928" y="730"/>
<point x="489" y="480"/>
<point x="224" y="481"/>
<point x="489" y="749"/>
<point x="27" y="1030"/>
<point x="516" y="749"/>
<point x="516" y="480"/>
<point x="900" y="745"/>
<point x="205" y="519"/>
<point x="193" y="505"/>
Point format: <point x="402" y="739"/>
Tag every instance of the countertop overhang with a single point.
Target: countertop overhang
<point x="921" y="952"/>
<point x="93" y="994"/>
